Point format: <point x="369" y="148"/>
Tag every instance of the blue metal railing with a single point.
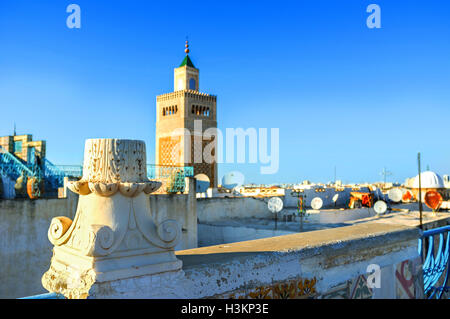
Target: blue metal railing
<point x="71" y="170"/>
<point x="50" y="295"/>
<point x="175" y="175"/>
<point x="13" y="167"/>
<point x="153" y="171"/>
<point x="53" y="175"/>
<point x="161" y="171"/>
<point x="435" y="261"/>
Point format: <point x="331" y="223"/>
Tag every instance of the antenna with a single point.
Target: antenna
<point x="334" y="174"/>
<point x="14" y="128"/>
<point x="385" y="173"/>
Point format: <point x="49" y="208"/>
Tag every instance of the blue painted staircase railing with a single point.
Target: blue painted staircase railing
<point x="50" y="295"/>
<point x="12" y="167"/>
<point x="434" y="249"/>
<point x="53" y="175"/>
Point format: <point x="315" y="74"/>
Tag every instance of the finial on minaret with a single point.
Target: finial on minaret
<point x="187" y="47"/>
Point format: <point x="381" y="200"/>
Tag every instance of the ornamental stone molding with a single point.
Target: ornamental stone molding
<point x="113" y="235"/>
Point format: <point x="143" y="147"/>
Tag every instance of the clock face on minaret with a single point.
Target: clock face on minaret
<point x="178" y="113"/>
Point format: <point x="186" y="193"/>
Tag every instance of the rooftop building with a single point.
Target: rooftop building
<point x="23" y="147"/>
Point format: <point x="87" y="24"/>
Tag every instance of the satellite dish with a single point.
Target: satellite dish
<point x="433" y="200"/>
<point x="202" y="183"/>
<point x="233" y="180"/>
<point x="317" y="203"/>
<point x="275" y="205"/>
<point x="395" y="195"/>
<point x="335" y="198"/>
<point x="380" y="207"/>
<point x="407" y="196"/>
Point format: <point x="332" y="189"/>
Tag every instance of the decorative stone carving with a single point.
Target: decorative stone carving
<point x="112" y="165"/>
<point x="113" y="235"/>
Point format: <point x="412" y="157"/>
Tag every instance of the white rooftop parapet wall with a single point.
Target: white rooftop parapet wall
<point x="307" y="265"/>
<point x="332" y="263"/>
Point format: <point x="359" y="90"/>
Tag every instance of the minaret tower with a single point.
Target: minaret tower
<point x="177" y="113"/>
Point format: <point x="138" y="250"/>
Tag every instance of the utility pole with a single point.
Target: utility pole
<point x="300" y="206"/>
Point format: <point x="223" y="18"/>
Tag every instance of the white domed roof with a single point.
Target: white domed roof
<point x="429" y="180"/>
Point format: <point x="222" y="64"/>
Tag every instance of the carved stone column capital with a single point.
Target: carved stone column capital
<point x="113" y="235"/>
<point x="112" y="165"/>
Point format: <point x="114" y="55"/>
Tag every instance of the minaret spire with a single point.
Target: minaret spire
<point x="187" y="47"/>
<point x="187" y="60"/>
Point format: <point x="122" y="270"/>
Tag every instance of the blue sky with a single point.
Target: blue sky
<point x="341" y="94"/>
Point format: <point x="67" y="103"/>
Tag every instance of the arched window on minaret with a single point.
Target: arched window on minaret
<point x="192" y="84"/>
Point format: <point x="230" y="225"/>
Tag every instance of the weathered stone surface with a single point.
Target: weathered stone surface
<point x="113" y="235"/>
<point x="331" y="257"/>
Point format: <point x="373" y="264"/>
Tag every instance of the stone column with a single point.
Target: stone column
<point x="113" y="238"/>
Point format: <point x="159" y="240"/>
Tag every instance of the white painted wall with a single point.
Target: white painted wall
<point x="335" y="216"/>
<point x="25" y="250"/>
<point x="210" y="210"/>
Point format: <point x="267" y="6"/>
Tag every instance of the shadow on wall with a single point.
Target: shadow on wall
<point x="25" y="249"/>
<point x="215" y="235"/>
